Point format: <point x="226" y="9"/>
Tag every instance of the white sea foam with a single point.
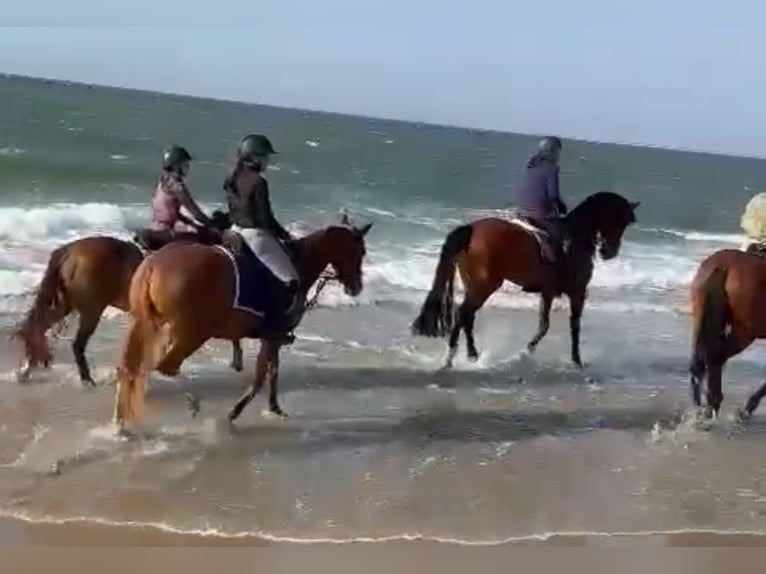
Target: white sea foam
<point x="397" y="269"/>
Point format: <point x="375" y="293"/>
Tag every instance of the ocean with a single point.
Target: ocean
<point x="379" y="445"/>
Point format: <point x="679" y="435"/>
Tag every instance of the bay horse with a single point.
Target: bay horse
<point x="174" y="312"/>
<point x="728" y="297"/>
<point x="490" y="251"/>
<point x="86" y="276"/>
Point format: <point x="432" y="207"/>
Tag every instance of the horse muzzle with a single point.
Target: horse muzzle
<point x="353" y="289"/>
<point x="608" y="251"/>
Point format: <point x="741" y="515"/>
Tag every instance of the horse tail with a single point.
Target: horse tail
<point x="48" y="308"/>
<point x="138" y="351"/>
<point x="438" y="314"/>
<point x="710" y="330"/>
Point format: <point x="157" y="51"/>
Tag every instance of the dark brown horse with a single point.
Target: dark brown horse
<point x="86" y="276"/>
<point x="728" y="296"/>
<point x="174" y="313"/>
<point x="490" y="251"/>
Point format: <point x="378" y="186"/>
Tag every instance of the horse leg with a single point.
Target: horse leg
<point x="754" y="400"/>
<point x="697" y="370"/>
<point x="89" y="320"/>
<point x="272" y="372"/>
<point x="236" y="356"/>
<point x="734" y="343"/>
<point x="546" y="300"/>
<point x="576" y="304"/>
<point x="474" y="300"/>
<point x="261" y="365"/>
<point x="454" y="340"/>
<point x="184" y="343"/>
<point x="714" y="391"/>
<point x="467" y="318"/>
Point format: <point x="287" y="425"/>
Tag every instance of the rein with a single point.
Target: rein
<point x="324" y="279"/>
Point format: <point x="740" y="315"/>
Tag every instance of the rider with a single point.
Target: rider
<point x="171" y="194"/>
<point x="539" y="199"/>
<point x="753" y="223"/>
<point x="250" y="210"/>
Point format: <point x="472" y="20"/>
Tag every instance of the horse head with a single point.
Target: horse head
<point x="601" y="220"/>
<point x="341" y="247"/>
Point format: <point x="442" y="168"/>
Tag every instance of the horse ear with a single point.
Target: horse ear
<point x="365" y="230"/>
<point x="344" y="220"/>
<point x="634" y="204"/>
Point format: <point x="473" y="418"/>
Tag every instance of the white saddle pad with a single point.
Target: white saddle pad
<point x="540" y="235"/>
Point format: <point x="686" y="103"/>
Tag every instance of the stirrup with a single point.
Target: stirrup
<point x="283" y="338"/>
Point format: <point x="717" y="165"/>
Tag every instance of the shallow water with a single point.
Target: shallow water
<point x="378" y="444"/>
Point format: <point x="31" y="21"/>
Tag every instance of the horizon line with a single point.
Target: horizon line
<point x="640" y="145"/>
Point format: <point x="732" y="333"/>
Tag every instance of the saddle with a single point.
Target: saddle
<point x="547" y="250"/>
<point x="261" y="293"/>
<point x="550" y="255"/>
<point x="154" y="240"/>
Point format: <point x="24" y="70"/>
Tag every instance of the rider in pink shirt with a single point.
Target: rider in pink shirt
<point x="172" y="194"/>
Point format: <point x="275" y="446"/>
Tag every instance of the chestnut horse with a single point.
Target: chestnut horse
<point x="86" y="276"/>
<point x="490" y="251"/>
<point x="174" y="312"/>
<point x="728" y="296"/>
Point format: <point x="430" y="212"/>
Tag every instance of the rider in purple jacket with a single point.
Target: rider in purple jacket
<point x="539" y="199"/>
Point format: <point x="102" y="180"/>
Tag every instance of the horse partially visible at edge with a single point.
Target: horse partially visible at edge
<point x="728" y="298"/>
<point x="490" y="251"/>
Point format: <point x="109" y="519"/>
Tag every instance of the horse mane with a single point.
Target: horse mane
<point x="602" y="201"/>
<point x="599" y="205"/>
<point x="584" y="220"/>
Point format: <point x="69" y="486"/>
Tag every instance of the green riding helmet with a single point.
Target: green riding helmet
<point x="253" y="146"/>
<point x="174" y="156"/>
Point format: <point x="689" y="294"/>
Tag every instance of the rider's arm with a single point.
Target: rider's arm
<point x="262" y="204"/>
<point x="187" y="201"/>
<point x="552" y="190"/>
<point x="187" y="220"/>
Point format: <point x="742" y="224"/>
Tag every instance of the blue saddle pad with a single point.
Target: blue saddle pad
<point x="257" y="290"/>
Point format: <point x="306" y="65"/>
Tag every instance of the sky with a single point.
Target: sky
<point x="672" y="73"/>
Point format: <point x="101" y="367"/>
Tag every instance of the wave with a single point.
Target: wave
<point x="399" y="268"/>
<point x="11" y="151"/>
<point x="733" y="238"/>
<point x="266" y="537"/>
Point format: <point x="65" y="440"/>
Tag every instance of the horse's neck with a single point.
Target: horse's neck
<point x="312" y="258"/>
<point x="581" y="230"/>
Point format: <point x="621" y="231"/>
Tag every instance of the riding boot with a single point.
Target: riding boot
<point x="276" y="331"/>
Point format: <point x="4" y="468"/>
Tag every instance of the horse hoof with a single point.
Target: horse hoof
<point x="473" y="357"/>
<point x="88" y="383"/>
<point x="274" y="412"/>
<point x="193" y="403"/>
<point x="743" y="415"/>
<point x="231" y="426"/>
<point x="237" y="366"/>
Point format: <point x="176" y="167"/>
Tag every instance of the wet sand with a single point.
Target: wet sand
<point x="18" y="532"/>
